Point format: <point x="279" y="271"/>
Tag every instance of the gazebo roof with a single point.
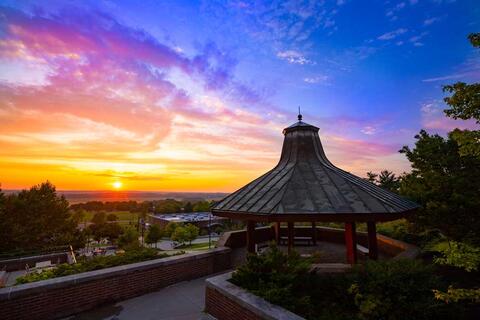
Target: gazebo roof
<point x="307" y="186"/>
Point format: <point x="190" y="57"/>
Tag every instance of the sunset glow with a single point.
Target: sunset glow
<point x="153" y="97"/>
<point x="117" y="185"/>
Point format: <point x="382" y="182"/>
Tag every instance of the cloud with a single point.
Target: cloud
<point x="317" y="79"/>
<point x="369" y="130"/>
<point x="392" y="34"/>
<point x="430" y="21"/>
<point x="433" y="118"/>
<point x="293" y="57"/>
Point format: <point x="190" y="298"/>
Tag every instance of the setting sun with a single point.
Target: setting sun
<point x="117" y="185"/>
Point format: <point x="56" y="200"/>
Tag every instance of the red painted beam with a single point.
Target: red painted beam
<point x="351" y="242"/>
<point x="372" y="240"/>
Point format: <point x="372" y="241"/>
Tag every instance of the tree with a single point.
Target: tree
<point x="464" y="103"/>
<point x="372" y="177"/>
<point x="170" y="228"/>
<point x="78" y="216"/>
<point x="446" y="184"/>
<point x="154" y="234"/>
<point x="188" y="207"/>
<point x="386" y="179"/>
<point x="35" y="219"/>
<point x="99" y="217"/>
<point x="180" y="234"/>
<point x="192" y="232"/>
<point x="112" y="217"/>
<point x="201" y="206"/>
<point x="129" y="239"/>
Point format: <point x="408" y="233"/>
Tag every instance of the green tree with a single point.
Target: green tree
<point x="170" y="228"/>
<point x="35" y="219"/>
<point x="154" y="234"/>
<point x="188" y="207"/>
<point x="372" y="177"/>
<point x="192" y="232"/>
<point x="112" y="217"/>
<point x="180" y="235"/>
<point x="99" y="217"/>
<point x="201" y="206"/>
<point x="446" y="184"/>
<point x="129" y="239"/>
<point x="386" y="179"/>
<point x="464" y="103"/>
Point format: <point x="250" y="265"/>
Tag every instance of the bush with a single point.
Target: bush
<point x="394" y="289"/>
<point x="96" y="263"/>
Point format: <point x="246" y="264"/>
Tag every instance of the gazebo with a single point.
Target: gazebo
<point x="306" y="187"/>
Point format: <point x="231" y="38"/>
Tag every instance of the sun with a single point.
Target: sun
<point x="117" y="185"/>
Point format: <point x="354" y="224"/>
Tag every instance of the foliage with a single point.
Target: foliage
<point x="183" y="234"/>
<point x="99" y="218"/>
<point x="386" y="179"/>
<point x="128" y="239"/>
<point x="460" y="255"/>
<point x="170" y="228"/>
<point x="96" y="263"/>
<point x="395" y="289"/>
<point x="202" y="206"/>
<point x="456" y="295"/>
<point x="466" y="257"/>
<point x="276" y="277"/>
<point x="446" y="184"/>
<point x="35" y="219"/>
<point x="180" y="235"/>
<point x="112" y="217"/>
<point x="192" y="232"/>
<point x="154" y="234"/>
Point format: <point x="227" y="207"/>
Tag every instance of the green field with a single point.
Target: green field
<point x="124" y="217"/>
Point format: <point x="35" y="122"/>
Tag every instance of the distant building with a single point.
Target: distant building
<point x="199" y="219"/>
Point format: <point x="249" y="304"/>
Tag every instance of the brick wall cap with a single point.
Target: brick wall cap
<point x="249" y="301"/>
<point x="60" y="282"/>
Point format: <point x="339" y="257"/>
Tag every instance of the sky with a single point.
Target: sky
<point x="193" y="95"/>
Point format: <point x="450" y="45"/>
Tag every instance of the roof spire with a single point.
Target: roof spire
<point x="299" y="114"/>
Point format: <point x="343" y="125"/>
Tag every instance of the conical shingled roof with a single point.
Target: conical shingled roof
<point x="306" y="182"/>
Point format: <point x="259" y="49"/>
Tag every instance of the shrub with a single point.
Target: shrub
<point x="96" y="263"/>
<point x="395" y="289"/>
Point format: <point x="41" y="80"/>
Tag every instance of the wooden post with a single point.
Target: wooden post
<point x="314" y="233"/>
<point x="277" y="232"/>
<point x="372" y="240"/>
<point x="351" y="242"/>
<point x="251" y="236"/>
<point x="290" y="236"/>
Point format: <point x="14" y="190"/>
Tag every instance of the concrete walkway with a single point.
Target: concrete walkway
<point x="181" y="301"/>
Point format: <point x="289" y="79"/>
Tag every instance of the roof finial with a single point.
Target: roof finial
<point x="299" y="114"/>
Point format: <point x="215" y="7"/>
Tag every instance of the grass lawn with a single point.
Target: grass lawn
<point x="197" y="246"/>
<point x="122" y="215"/>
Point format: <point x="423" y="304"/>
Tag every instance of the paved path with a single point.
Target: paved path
<point x="181" y="301"/>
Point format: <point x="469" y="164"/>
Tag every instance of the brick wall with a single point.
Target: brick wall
<point x="223" y="308"/>
<point x="226" y="301"/>
<point x="60" y="297"/>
